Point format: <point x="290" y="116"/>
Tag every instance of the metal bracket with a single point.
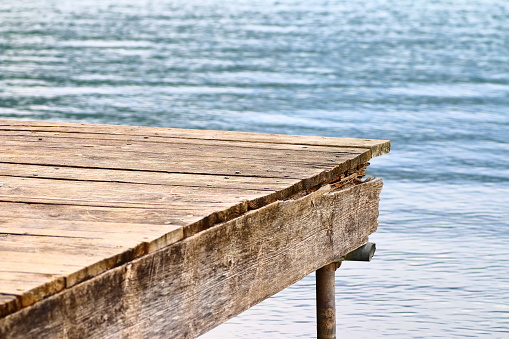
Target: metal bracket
<point x="363" y="253"/>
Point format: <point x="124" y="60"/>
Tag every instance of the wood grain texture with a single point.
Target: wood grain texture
<point x="377" y="147"/>
<point x="160" y="147"/>
<point x="234" y="180"/>
<point x="185" y="289"/>
<point x="77" y="200"/>
<point x="214" y="164"/>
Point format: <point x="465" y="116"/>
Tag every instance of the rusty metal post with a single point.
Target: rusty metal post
<point x="325" y="301"/>
<point x="326" y="290"/>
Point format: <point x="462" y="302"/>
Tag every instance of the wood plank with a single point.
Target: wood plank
<point x="144" y="177"/>
<point x="115" y="194"/>
<point x="32" y="243"/>
<point x="195" y="211"/>
<point x="95" y="249"/>
<point x="51" y="263"/>
<point x="91" y="252"/>
<point x="55" y="192"/>
<point x="163" y="216"/>
<point x="111" y="193"/>
<point x="194" y="218"/>
<point x="127" y="143"/>
<point x="214" y="164"/>
<point x="207" y="153"/>
<point x="79" y="229"/>
<point x="377" y="147"/>
<point x="280" y="188"/>
<point x="25" y="239"/>
<point x="187" y="288"/>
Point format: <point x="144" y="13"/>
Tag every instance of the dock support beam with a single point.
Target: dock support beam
<point x="326" y="291"/>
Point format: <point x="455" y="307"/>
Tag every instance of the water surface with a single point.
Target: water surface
<point x="432" y="76"/>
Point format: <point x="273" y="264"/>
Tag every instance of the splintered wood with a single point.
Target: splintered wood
<point x="139" y="232"/>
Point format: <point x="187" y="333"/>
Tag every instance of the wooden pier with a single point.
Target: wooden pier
<point x="140" y="232"/>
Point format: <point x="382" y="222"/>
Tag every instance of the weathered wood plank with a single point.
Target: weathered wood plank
<point x="111" y="193"/>
<point x="158" y="216"/>
<point x="195" y="284"/>
<point x="280" y="189"/>
<point x="125" y="140"/>
<point x="195" y="218"/>
<point x="171" y="146"/>
<point x="55" y="268"/>
<point x="97" y="255"/>
<point x="215" y="157"/>
<point x="88" y="243"/>
<point x="234" y="181"/>
<point x="25" y="243"/>
<point x="377" y="147"/>
<point x="80" y="229"/>
<point x="120" y="194"/>
<point x="213" y="164"/>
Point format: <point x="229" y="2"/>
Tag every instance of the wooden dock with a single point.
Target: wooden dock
<point x="140" y="232"/>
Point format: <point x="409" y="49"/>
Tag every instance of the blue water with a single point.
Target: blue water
<point x="431" y="75"/>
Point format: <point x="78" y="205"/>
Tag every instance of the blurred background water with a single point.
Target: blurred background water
<point x="431" y="75"/>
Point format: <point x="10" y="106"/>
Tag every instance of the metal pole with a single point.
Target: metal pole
<point x="325" y="301"/>
<point x="326" y="290"/>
